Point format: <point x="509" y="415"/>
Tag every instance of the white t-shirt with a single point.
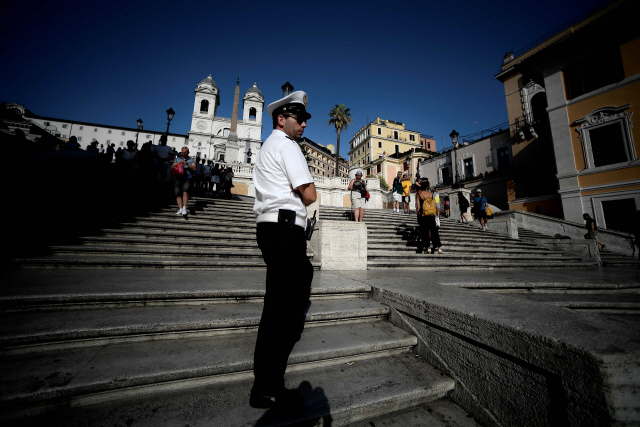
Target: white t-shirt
<point x="279" y="167"/>
<point x="163" y="151"/>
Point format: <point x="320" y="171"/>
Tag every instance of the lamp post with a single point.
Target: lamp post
<point x="249" y="154"/>
<point x="170" y="114"/>
<point x="454" y="141"/>
<point x="139" y="129"/>
<point x="286" y="89"/>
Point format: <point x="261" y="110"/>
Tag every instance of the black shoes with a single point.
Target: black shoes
<point x="281" y="398"/>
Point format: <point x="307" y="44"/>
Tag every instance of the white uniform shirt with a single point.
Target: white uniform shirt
<point x="279" y="167"/>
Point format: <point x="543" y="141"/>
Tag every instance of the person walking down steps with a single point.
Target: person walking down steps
<point x="426" y="207"/>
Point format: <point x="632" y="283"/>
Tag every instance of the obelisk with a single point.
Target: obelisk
<point x="231" y="154"/>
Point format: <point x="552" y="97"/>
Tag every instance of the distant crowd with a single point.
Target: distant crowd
<point x="153" y="166"/>
<point x="429" y="206"/>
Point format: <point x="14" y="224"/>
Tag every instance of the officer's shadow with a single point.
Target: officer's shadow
<point x="305" y="409"/>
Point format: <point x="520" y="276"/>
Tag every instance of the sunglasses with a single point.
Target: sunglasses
<point x="298" y="119"/>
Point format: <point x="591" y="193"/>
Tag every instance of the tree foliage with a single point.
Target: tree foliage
<point x="340" y="119"/>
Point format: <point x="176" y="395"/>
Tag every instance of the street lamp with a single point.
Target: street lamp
<point x="286" y="89"/>
<point x="139" y="129"/>
<point x="249" y="154"/>
<point x="170" y="114"/>
<point x="454" y="141"/>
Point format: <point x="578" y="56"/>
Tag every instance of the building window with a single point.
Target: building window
<point x="148" y="136"/>
<point x="121" y="143"/>
<point x="412" y="137"/>
<point x="64" y="126"/>
<point x="395" y="134"/>
<point x="95" y="129"/>
<point x="79" y="138"/>
<point x="368" y="144"/>
<point x="81" y="127"/>
<point x="109" y="131"/>
<point x="468" y="167"/>
<point x="504" y="161"/>
<point x="378" y="168"/>
<point x="428" y="146"/>
<point x="379" y="144"/>
<point x="122" y="133"/>
<point x="64" y="135"/>
<point x="606" y="137"/>
<point x="204" y="106"/>
<point x="379" y="131"/>
<point x="586" y="76"/>
<point x="47" y="123"/>
<point x="174" y="140"/>
<point x="108" y="141"/>
<point x="397" y="148"/>
<point x="252" y="114"/>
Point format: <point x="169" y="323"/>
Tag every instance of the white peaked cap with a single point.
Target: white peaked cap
<point x="298" y="97"/>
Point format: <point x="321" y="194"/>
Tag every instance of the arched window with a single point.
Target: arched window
<point x="204" y="106"/>
<point x="225" y="132"/>
<point x="252" y="114"/>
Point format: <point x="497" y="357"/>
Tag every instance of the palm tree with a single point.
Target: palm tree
<point x="340" y="117"/>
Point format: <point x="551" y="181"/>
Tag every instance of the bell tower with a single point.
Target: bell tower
<point x="252" y="105"/>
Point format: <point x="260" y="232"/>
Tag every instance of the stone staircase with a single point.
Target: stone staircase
<point x="607" y="257"/>
<point x="392" y="244"/>
<point x="216" y="235"/>
<point x="147" y="348"/>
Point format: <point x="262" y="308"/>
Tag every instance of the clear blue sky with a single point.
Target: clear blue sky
<point x="427" y="64"/>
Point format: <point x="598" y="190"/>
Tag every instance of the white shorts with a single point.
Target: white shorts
<point x="357" y="201"/>
<point x="397" y="197"/>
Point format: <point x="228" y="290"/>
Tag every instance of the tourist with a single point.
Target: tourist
<point x="397" y="192"/>
<point x="479" y="206"/>
<point x="446" y="207"/>
<point x="406" y="193"/>
<point x="206" y="176"/>
<point x="163" y="159"/>
<point x="93" y="148"/>
<point x="284" y="187"/>
<point x="592" y="230"/>
<point x="436" y="197"/>
<point x="227" y="183"/>
<point x="463" y="203"/>
<point x="111" y="151"/>
<point x="215" y="180"/>
<point x="416" y="185"/>
<point x="73" y="143"/>
<point x="129" y="153"/>
<point x="183" y="180"/>
<point x="428" y="232"/>
<point x="197" y="176"/>
<point x="358" y="190"/>
<point x="101" y="150"/>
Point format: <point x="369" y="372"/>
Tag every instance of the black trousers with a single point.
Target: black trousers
<point x="428" y="224"/>
<point x="289" y="276"/>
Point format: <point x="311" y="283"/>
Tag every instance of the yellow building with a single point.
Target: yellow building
<point x="380" y="138"/>
<point x="571" y="100"/>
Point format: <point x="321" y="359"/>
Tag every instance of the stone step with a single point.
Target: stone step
<point x="451" y="237"/>
<point x="75" y="289"/>
<point x="135" y="262"/>
<point x="249" y="244"/>
<point x="438" y="262"/>
<point x="441" y="413"/>
<point x="65" y="329"/>
<point x="402" y="246"/>
<point x="114" y="368"/>
<point x="620" y="261"/>
<point x="188" y="226"/>
<point x="339" y="394"/>
<point x="158" y="233"/>
<point x="459" y="255"/>
<point x="172" y="251"/>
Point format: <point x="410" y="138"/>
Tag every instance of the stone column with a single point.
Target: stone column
<point x="231" y="154"/>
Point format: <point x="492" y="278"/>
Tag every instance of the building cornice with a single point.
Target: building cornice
<point x="75" y="122"/>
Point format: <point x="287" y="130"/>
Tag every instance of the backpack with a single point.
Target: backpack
<point x="428" y="207"/>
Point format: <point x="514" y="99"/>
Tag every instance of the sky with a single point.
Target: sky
<point x="427" y="64"/>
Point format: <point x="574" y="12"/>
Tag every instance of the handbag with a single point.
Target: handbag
<point x="367" y="196"/>
<point x="488" y="210"/>
<point x="178" y="170"/>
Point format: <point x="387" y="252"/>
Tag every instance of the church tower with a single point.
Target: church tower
<point x="205" y="105"/>
<point x="252" y="105"/>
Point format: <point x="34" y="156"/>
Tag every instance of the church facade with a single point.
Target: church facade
<point x="223" y="139"/>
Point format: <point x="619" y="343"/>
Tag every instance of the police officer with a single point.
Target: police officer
<point x="284" y="187"/>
